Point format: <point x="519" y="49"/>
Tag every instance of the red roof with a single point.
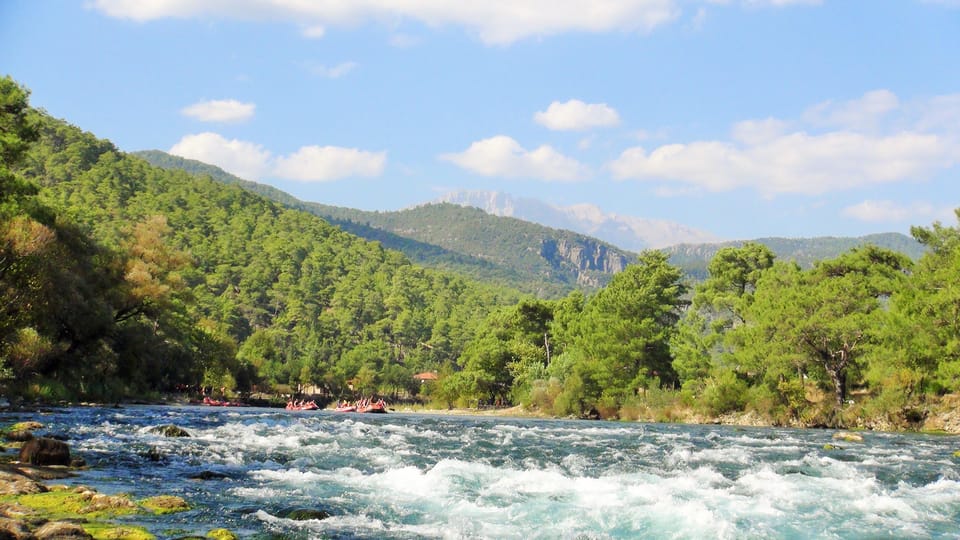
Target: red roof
<point x="425" y="376"/>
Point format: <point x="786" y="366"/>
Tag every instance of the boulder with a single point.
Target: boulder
<point x="44" y="451"/>
<point x="170" y="430"/>
<point x="13" y="529"/>
<point x="61" y="530"/>
<point x="12" y="483"/>
<point x="20" y="435"/>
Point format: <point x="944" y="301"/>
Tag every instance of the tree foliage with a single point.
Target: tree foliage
<point x="118" y="278"/>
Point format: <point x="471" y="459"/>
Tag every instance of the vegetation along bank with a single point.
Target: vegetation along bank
<point x="123" y="280"/>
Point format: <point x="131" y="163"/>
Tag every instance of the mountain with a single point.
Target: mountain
<point x="628" y="232"/>
<point x="471" y="235"/>
<point x="533" y="258"/>
<point x="693" y="258"/>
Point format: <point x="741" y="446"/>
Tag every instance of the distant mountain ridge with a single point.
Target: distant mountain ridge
<point x="528" y="256"/>
<point x="694" y="258"/>
<point x="628" y="232"/>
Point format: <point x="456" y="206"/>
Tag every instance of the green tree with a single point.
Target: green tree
<point x="625" y="330"/>
<point x="929" y="309"/>
<point x="823" y="321"/>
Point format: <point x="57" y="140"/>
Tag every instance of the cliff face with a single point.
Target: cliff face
<point x="590" y="260"/>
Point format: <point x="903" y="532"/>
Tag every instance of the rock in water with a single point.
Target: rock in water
<point x="44" y="451"/>
<point x="304" y="514"/>
<point x="170" y="430"/>
<point x="847" y="436"/>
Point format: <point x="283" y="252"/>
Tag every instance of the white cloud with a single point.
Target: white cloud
<point x="576" y="115"/>
<point x="333" y="72"/>
<point x="864" y="112"/>
<point x="220" y="110"/>
<point x="793" y="163"/>
<point x="314" y="32"/>
<point x="503" y="156"/>
<point x="244" y="159"/>
<point x="758" y="131"/>
<point x="325" y="163"/>
<point x="495" y="22"/>
<point x="766" y="156"/>
<point x="893" y="212"/>
<point x="940" y="113"/>
<point x="253" y="162"/>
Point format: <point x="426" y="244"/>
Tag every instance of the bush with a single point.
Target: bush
<point x="725" y="392"/>
<point x="543" y="395"/>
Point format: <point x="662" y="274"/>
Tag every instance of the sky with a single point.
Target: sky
<point x="742" y="118"/>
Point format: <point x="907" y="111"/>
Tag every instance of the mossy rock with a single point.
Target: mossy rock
<point x="830" y="447"/>
<point x="75" y="504"/>
<point x="848" y="436"/>
<point x="165" y="504"/>
<point x="25" y="426"/>
<point x="957" y="454"/>
<point x="111" y="531"/>
<point x="170" y="430"/>
<point x="221" y="534"/>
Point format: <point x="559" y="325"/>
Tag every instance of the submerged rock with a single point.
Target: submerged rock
<point x="170" y="430"/>
<point x="208" y="475"/>
<point x="44" y="451"/>
<point x="304" y="514"/>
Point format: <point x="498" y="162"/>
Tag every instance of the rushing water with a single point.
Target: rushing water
<point x="422" y="476"/>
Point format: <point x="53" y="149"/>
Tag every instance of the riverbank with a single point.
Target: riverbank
<point x="940" y="415"/>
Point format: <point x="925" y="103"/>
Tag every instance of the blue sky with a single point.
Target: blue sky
<point x="743" y="118"/>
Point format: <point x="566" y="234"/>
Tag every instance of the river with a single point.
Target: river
<point x="429" y="476"/>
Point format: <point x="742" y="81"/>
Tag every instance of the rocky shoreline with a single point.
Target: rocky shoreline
<point x="32" y="507"/>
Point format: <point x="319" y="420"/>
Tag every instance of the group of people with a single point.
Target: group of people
<point x="301" y="405"/>
<point x="361" y="404"/>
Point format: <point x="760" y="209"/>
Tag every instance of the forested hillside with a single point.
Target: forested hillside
<point x="120" y="278"/>
<point x="535" y="259"/>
